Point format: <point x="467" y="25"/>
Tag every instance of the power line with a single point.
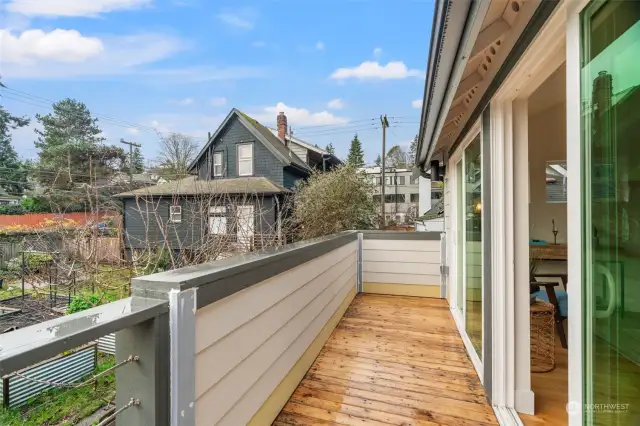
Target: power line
<point x="46" y="103"/>
<point x="336" y="124"/>
<point x="343" y="130"/>
<point x="105" y="119"/>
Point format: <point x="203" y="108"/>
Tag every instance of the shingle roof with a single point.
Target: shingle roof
<point x="193" y="185"/>
<point x="271" y="142"/>
<point x="275" y="141"/>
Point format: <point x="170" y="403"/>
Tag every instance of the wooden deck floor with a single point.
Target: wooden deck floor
<point x="391" y="360"/>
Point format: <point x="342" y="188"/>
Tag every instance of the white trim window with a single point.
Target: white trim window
<point x="175" y="214"/>
<point x="245" y="159"/>
<point x="218" y="220"/>
<point x="217" y="164"/>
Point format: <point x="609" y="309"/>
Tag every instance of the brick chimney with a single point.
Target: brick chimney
<point x="282" y="127"/>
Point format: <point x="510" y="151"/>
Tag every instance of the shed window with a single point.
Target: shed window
<point x="175" y="214"/>
<point x="218" y="220"/>
<point x="245" y="159"/>
<point x="217" y="164"/>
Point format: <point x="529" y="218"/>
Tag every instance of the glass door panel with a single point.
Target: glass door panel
<point x="473" y="243"/>
<point x="611" y="186"/>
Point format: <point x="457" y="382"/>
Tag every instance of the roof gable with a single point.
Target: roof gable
<point x="262" y="134"/>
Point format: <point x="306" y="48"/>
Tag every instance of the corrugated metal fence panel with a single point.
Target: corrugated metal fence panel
<point x="66" y="369"/>
<point x="107" y="344"/>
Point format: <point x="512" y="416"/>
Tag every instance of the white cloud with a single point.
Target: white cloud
<point x="417" y="103"/>
<point x="297" y="116"/>
<point x="319" y="45"/>
<point x="242" y="19"/>
<point x="90" y="8"/>
<point x="65" y="54"/>
<point x="183" y="102"/>
<point x="133" y="131"/>
<point x="335" y="104"/>
<point x="219" y="102"/>
<point x="377" y="52"/>
<point x="57" y="45"/>
<point x="258" y="44"/>
<point x="371" y="70"/>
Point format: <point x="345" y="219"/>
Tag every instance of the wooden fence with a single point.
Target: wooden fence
<point x="103" y="250"/>
<point x="8" y="250"/>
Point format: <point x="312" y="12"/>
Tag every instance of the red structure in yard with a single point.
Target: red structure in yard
<point x="38" y="219"/>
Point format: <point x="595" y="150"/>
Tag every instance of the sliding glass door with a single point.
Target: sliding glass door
<point x="611" y="187"/>
<point x="469" y="250"/>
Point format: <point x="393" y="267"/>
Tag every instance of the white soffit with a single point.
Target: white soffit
<point x="503" y="24"/>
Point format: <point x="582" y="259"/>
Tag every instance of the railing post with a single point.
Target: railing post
<point x="360" y="253"/>
<point x="182" y="311"/>
<point x="146" y="380"/>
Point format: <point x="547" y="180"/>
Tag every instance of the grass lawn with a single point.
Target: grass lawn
<point x="15" y="291"/>
<point x="62" y="407"/>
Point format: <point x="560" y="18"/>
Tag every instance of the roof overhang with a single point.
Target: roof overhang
<point x="464" y="60"/>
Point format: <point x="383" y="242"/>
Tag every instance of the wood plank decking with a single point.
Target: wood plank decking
<point x="391" y="360"/>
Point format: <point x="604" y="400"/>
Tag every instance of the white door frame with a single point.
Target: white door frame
<point x="459" y="317"/>
<point x="557" y="42"/>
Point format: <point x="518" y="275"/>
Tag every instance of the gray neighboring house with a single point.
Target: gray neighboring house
<point x="237" y="188"/>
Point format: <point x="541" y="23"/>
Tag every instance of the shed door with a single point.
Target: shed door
<point x="245" y="225"/>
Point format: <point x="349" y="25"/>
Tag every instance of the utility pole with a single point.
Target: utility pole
<point x="385" y="123"/>
<point x="131" y="145"/>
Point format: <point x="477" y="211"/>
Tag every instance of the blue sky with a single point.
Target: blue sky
<point x="148" y="67"/>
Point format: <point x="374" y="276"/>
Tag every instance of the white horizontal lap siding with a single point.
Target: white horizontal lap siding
<point x="402" y="262"/>
<point x="222" y="317"/>
<point x="247" y="343"/>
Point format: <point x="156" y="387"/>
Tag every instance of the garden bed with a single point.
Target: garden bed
<point x="32" y="310"/>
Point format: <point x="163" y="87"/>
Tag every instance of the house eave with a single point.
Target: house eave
<point x="449" y="43"/>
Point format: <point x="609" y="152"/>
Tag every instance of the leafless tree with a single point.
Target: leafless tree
<point x="397" y="157"/>
<point x="177" y="151"/>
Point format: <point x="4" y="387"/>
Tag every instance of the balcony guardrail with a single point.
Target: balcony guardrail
<point x="226" y="343"/>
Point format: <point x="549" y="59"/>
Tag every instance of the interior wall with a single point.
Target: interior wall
<point x="547" y="142"/>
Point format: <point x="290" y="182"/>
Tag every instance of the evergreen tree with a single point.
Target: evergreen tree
<point x="412" y="149"/>
<point x="330" y="149"/>
<point x="70" y="143"/>
<point x="138" y="162"/>
<point x="356" y="154"/>
<point x="378" y="161"/>
<point x="12" y="170"/>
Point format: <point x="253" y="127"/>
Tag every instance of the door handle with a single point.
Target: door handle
<point x="611" y="287"/>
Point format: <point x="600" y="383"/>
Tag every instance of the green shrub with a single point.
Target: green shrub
<point x="34" y="205"/>
<point x="12" y="209"/>
<point x="82" y="303"/>
<point x="34" y="261"/>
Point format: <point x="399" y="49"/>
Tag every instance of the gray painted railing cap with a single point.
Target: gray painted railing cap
<point x="29" y="345"/>
<point x="156" y="285"/>
<point x="242" y="271"/>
